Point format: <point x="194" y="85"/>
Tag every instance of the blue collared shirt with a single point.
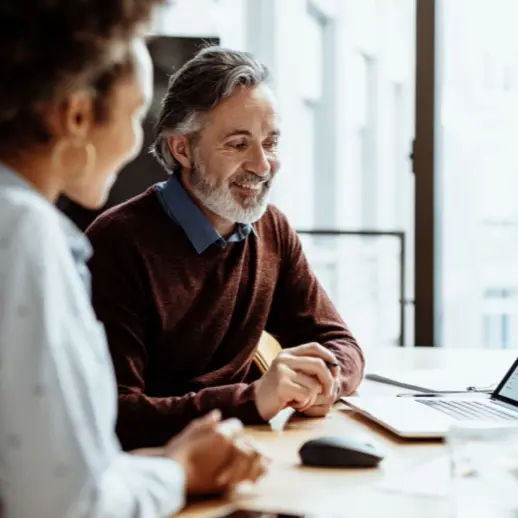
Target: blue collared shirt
<point x="179" y="206"/>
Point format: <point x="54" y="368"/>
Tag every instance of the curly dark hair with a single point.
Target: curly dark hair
<point x="50" y="47"/>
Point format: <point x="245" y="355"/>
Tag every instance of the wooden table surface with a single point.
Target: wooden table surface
<point x="291" y="488"/>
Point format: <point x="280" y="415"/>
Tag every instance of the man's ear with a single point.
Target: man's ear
<point x="180" y="149"/>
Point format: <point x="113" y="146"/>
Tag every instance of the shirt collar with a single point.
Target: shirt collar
<point x="77" y="242"/>
<point x="184" y="212"/>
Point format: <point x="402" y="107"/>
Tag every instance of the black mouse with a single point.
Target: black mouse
<point x="339" y="452"/>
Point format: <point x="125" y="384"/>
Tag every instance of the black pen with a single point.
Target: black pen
<point x="420" y="395"/>
<point x="435" y="394"/>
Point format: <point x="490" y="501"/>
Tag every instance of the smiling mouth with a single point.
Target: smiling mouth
<point x="249" y="188"/>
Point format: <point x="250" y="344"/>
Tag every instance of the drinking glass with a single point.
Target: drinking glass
<point x="484" y="470"/>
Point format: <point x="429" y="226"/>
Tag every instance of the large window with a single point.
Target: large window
<point x="363" y="269"/>
<point x="477" y="173"/>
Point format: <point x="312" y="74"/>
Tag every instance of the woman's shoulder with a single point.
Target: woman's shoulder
<point x="27" y="219"/>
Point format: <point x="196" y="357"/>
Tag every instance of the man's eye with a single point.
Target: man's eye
<point x="271" y="144"/>
<point x="238" y="145"/>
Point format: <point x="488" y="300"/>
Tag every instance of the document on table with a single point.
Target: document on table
<point x="431" y="479"/>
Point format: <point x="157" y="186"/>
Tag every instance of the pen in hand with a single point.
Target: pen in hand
<point x="336" y="388"/>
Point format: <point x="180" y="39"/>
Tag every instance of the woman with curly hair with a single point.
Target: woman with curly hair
<point x="75" y="83"/>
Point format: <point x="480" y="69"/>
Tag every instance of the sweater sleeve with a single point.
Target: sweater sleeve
<point x="123" y="302"/>
<point x="302" y="312"/>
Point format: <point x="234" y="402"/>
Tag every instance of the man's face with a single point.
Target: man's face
<point x="234" y="159"/>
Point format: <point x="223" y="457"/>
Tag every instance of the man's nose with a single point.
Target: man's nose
<point x="258" y="162"/>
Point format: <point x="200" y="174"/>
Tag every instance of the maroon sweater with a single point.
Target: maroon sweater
<point x="182" y="327"/>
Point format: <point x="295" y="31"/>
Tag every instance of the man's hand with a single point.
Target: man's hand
<point x="296" y="378"/>
<point x="323" y="404"/>
<point x="215" y="455"/>
<point x="320" y="408"/>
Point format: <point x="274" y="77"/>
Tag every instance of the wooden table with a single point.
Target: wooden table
<point x="291" y="488"/>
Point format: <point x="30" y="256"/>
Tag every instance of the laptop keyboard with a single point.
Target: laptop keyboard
<point x="470" y="410"/>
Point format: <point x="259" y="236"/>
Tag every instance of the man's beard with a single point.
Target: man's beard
<point x="218" y="198"/>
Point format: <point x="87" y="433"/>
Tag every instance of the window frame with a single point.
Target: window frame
<point x="425" y="155"/>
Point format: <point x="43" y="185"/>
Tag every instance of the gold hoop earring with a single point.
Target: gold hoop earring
<point x="64" y="145"/>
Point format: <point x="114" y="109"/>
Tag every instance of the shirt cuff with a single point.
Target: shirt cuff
<point x="170" y="475"/>
<point x="156" y="483"/>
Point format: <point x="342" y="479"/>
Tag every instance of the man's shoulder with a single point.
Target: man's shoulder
<point x="274" y="221"/>
<point x="275" y="231"/>
<point x="134" y="213"/>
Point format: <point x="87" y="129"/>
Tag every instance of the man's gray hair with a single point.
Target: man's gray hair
<point x="198" y="87"/>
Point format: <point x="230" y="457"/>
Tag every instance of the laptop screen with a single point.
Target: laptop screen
<point x="510" y="388"/>
<point x="507" y="390"/>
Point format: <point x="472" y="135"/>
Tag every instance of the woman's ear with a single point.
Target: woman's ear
<point x="72" y="117"/>
<point x="180" y="149"/>
<point x="78" y="115"/>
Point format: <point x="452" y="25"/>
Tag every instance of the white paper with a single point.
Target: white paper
<point x="431" y="479"/>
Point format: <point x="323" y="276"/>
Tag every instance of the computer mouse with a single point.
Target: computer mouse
<point x="339" y="452"/>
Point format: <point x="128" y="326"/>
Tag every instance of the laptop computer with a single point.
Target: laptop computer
<point x="431" y="417"/>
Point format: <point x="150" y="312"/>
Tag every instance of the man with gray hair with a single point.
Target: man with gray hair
<point x="187" y="275"/>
